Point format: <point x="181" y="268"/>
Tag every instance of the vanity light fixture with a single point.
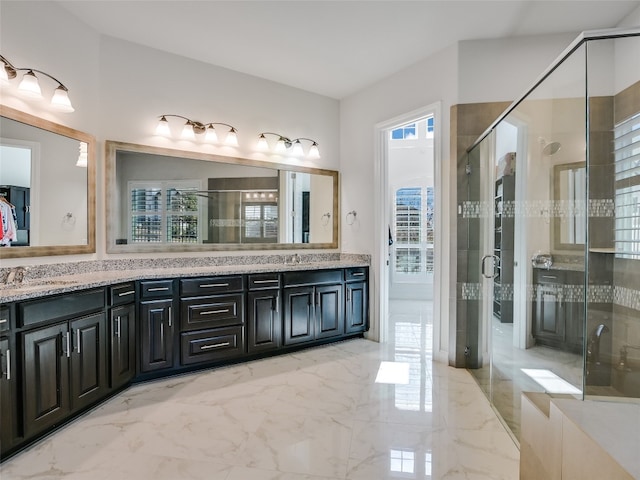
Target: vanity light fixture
<point x="30" y="87"/>
<point x="83" y="155"/>
<point x="192" y="128"/>
<point x="284" y="143"/>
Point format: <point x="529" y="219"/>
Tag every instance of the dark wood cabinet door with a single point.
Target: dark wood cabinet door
<point x="264" y="320"/>
<point x="122" y="345"/>
<point x="8" y="400"/>
<point x="299" y="308"/>
<point x="329" y="311"/>
<point x="549" y="309"/>
<point x="156" y="335"/>
<point x="356" y="306"/>
<point x="575" y="322"/>
<point x="46" y="377"/>
<point x="89" y="380"/>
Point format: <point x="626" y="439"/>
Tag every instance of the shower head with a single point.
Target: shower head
<point x="549" y="149"/>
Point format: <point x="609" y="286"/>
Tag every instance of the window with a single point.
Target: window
<point x="260" y="222"/>
<point x="430" y="127"/>
<point x="627" y="191"/>
<point x="414" y="229"/>
<point x="404" y="133"/>
<point x="164" y="212"/>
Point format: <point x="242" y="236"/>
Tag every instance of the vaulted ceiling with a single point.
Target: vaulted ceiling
<point x="333" y="48"/>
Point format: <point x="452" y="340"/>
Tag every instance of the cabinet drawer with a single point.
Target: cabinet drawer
<point x="156" y="288"/>
<point x="312" y="278"/>
<point x="5" y="318"/>
<point x="60" y="307"/>
<point x="211" y="345"/>
<point x="355" y="273"/>
<point x="210" y="285"/>
<point x="261" y="281"/>
<point x="210" y="312"/>
<point x="122" y="294"/>
<point x="549" y="276"/>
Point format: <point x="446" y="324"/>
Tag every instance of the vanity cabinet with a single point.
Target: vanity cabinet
<point x="60" y="354"/>
<point x="558" y="310"/>
<point x="212" y="324"/>
<point x="264" y="318"/>
<point x="313" y="306"/>
<point x="356" y="305"/>
<point x="64" y="363"/>
<point x="8" y="383"/>
<point x="157" y="325"/>
<point x="122" y="339"/>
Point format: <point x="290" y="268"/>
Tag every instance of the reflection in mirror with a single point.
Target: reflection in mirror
<point x="570" y="198"/>
<point x="46" y="187"/>
<point x="169" y="200"/>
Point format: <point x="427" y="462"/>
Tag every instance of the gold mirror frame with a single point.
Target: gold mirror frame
<point x="48" y="250"/>
<point x="111" y="149"/>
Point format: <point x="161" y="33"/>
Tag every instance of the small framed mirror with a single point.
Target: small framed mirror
<point x="47" y="185"/>
<point x="570" y="216"/>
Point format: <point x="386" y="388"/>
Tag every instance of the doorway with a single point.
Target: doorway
<point x="408" y="259"/>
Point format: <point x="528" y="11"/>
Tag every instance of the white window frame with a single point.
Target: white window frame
<point x="164" y="186"/>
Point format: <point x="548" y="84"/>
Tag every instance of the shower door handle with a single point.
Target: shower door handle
<point x="483" y="263"/>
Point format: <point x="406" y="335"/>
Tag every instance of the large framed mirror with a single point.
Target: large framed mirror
<point x="569" y="195"/>
<point x="166" y="200"/>
<point x="47" y="187"/>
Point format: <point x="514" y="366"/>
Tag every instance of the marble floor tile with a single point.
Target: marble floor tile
<point x="315" y="414"/>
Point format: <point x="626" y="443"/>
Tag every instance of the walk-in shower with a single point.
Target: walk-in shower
<point x="572" y="194"/>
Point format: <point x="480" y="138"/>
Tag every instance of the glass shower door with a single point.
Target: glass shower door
<point x="531" y="269"/>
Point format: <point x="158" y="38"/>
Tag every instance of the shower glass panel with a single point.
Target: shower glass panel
<point x="555" y="186"/>
<point x="533" y="286"/>
<point x="613" y="318"/>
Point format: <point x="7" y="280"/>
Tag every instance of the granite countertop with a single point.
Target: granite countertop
<point x="574" y="267"/>
<point x="49" y="285"/>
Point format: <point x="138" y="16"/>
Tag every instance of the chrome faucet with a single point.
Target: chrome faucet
<point x="624" y="354"/>
<point x="593" y="345"/>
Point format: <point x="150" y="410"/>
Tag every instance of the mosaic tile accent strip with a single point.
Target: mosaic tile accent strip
<point x="622" y="296"/>
<point x="627" y="297"/>
<point x="604" y="207"/>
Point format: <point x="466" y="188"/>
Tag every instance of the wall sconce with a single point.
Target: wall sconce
<point x="285" y="143"/>
<point x="192" y="128"/>
<point x="30" y="87"/>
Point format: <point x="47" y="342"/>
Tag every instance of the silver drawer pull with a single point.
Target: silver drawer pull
<point x="358" y="274"/>
<point x="4" y="320"/>
<point x="130" y="292"/>
<point x="158" y="289"/>
<point x="209" y="285"/>
<point x="217" y="345"/>
<point x="265" y="281"/>
<point x="211" y="312"/>
<point x="549" y="276"/>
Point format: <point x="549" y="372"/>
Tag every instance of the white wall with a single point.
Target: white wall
<point x="119" y="89"/>
<point x="502" y="70"/>
<point x="470" y="72"/>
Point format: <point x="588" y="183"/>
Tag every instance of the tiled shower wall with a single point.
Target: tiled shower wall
<point x="626" y="272"/>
